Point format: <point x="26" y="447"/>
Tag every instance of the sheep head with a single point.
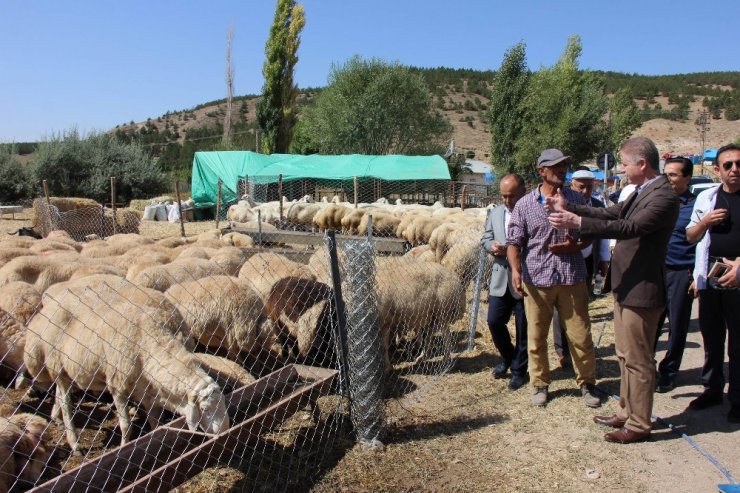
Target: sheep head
<point x="206" y="409"/>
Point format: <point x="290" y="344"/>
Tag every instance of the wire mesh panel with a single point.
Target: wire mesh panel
<point x="85" y="222"/>
<point x="131" y="363"/>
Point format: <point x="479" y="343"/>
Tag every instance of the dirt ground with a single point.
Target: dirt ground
<point x="470" y="433"/>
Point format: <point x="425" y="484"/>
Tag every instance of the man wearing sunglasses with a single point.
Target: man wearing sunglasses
<point x="715" y="224"/>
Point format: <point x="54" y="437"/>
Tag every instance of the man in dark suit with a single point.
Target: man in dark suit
<point x="642" y="225"/>
<point x="503" y="299"/>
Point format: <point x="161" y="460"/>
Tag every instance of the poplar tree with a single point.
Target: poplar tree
<point x="506" y="109"/>
<point x="276" y="108"/>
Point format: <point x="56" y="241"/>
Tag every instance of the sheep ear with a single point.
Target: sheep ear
<point x="192" y="413"/>
<point x="307" y="326"/>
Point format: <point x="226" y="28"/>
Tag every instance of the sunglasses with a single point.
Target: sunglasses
<point x="727" y="165"/>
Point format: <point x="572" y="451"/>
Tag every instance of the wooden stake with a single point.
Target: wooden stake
<point x="462" y="196"/>
<point x="46" y="192"/>
<point x="113" y="203"/>
<point x="218" y="202"/>
<point x="179" y="208"/>
<point x="280" y="194"/>
<point x="356" y="192"/>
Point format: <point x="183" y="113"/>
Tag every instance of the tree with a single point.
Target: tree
<point x="276" y="109"/>
<point x="624" y="118"/>
<point x="564" y="108"/>
<point x="506" y="108"/>
<point x="229" y="87"/>
<point x="82" y="167"/>
<point x="373" y="107"/>
<point x="15" y="180"/>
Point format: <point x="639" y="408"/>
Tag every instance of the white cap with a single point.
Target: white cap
<point x="583" y="174"/>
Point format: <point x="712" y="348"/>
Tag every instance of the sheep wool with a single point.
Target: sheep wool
<point x="99" y="340"/>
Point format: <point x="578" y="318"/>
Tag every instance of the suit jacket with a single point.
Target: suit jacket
<point x="501" y="274"/>
<point x="642" y="226"/>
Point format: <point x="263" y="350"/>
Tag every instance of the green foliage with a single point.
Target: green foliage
<point x="15" y="179"/>
<point x="624" y="118"/>
<point x="276" y="108"/>
<point x="564" y="108"/>
<point x="82" y="167"/>
<point x="506" y="108"/>
<point x="372" y="107"/>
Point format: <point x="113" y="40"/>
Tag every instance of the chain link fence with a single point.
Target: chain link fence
<point x="130" y="364"/>
<point x="81" y="220"/>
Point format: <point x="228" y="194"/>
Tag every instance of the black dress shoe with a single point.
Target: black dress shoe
<point x="625" y="435"/>
<point x="665" y="384"/>
<point x="707" y="399"/>
<point x="613" y="421"/>
<point x="517" y="381"/>
<point x="499" y="371"/>
<point x="734" y="415"/>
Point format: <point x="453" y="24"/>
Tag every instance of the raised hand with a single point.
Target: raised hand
<point x="556" y="202"/>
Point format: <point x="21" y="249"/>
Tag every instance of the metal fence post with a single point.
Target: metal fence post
<point x="476" y="293"/>
<point x="365" y="349"/>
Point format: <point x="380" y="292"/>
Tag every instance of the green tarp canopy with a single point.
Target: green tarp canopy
<point x="230" y="166"/>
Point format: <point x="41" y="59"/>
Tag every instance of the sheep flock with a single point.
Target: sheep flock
<point x="167" y="327"/>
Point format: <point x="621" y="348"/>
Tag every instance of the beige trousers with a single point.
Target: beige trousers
<point x="572" y="305"/>
<point x="635" y="330"/>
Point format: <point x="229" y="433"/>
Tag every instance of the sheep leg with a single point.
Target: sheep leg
<point x="64" y="401"/>
<point x="124" y="420"/>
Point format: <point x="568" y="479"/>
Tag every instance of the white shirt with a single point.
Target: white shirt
<point x="703" y="205"/>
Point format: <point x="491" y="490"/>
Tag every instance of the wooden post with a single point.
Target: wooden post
<point x="356" y="192"/>
<point x="462" y="196"/>
<point x="453" y="194"/>
<point x="46" y="193"/>
<point x="179" y="208"/>
<point x="280" y="194"/>
<point x="113" y="203"/>
<point x="218" y="202"/>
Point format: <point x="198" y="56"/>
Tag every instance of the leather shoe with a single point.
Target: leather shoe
<point x="499" y="371"/>
<point x="613" y="421"/>
<point x="517" y="381"/>
<point x="665" y="384"/>
<point x="707" y="399"/>
<point x="625" y="435"/>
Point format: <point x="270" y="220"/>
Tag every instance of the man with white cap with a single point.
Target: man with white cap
<point x="548" y="269"/>
<point x="596" y="254"/>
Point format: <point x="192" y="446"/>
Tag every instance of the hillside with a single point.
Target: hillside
<point x="670" y="104"/>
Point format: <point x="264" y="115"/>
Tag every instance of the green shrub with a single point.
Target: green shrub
<point x="15" y="180"/>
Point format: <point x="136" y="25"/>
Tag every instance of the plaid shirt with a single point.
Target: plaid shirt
<point x="530" y="230"/>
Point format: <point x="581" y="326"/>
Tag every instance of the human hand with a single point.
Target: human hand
<point x="729" y="280"/>
<point x="516" y="281"/>
<point x="564" y="220"/>
<point x="570" y="245"/>
<point x="692" y="290"/>
<point x="714" y="218"/>
<point x="556" y="203"/>
<point x="498" y="249"/>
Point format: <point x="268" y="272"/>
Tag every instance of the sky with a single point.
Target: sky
<point x="94" y="64"/>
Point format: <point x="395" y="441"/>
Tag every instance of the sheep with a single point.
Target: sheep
<point x="50" y="245"/>
<point x="226" y="373"/>
<point x="302" y="213"/>
<point x="421" y="252"/>
<point x="97" y="339"/>
<point x="225" y="315"/>
<point x="175" y="241"/>
<point x="384" y="224"/>
<point x="129" y="238"/>
<point x="417" y="297"/>
<point x="18" y="303"/>
<point x="330" y="217"/>
<point x="240" y="240"/>
<point x="420" y="229"/>
<point x="8" y="254"/>
<point x="351" y="220"/>
<point x="407" y="219"/>
<point x="448" y="234"/>
<point x="263" y="270"/>
<point x="20" y="242"/>
<point x="161" y="277"/>
<point x="303" y="309"/>
<point x="24" y="449"/>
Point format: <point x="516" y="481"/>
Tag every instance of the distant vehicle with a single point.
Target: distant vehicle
<point x="698" y="184"/>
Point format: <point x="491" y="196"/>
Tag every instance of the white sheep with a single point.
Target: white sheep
<point x="24" y="450"/>
<point x="225" y="372"/>
<point x="161" y="277"/>
<point x="263" y="270"/>
<point x="97" y="339"/>
<point x="224" y="314"/>
<point x="18" y="303"/>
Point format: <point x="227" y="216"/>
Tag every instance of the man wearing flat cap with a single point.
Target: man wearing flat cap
<point x="548" y="269"/>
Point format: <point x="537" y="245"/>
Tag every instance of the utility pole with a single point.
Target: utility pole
<point x="702" y="125"/>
